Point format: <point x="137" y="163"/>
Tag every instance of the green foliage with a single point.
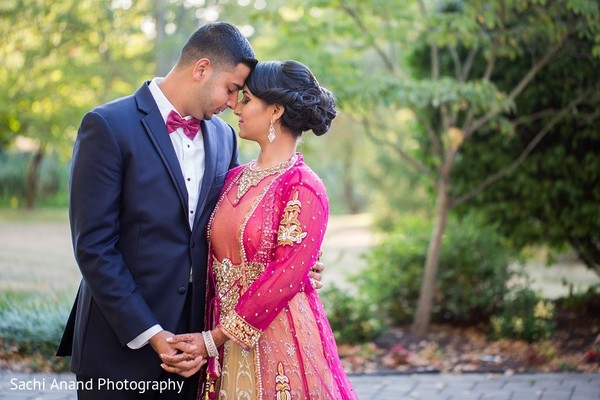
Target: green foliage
<point x="473" y="272"/>
<point x="525" y="315"/>
<point x="12" y="177"/>
<point x="62" y="58"/>
<point x="352" y="317"/>
<point x="52" y="184"/>
<point x="392" y="277"/>
<point x="32" y="326"/>
<point x="553" y="198"/>
<point x="582" y="303"/>
<point x="59" y="60"/>
<point x="362" y="51"/>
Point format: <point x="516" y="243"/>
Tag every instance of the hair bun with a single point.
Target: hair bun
<point x="322" y="113"/>
<point x="308" y="105"/>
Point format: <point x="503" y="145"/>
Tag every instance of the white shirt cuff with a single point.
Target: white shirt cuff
<point x="143" y="338"/>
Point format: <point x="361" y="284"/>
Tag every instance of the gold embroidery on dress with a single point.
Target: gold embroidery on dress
<point x="251" y="176"/>
<point x="233" y="280"/>
<point x="240" y="329"/>
<point x="238" y="380"/>
<point x="290" y="230"/>
<point x="282" y="384"/>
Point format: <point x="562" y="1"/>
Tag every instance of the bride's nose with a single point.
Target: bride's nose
<point x="237" y="110"/>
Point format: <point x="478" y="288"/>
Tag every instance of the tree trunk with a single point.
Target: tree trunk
<point x="33" y="173"/>
<point x="348" y="181"/>
<point x="588" y="252"/>
<point x="423" y="314"/>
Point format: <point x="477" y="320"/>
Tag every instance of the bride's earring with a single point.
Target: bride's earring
<point x="271" y="135"/>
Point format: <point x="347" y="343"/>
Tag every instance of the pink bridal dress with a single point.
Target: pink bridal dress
<point x="264" y="237"/>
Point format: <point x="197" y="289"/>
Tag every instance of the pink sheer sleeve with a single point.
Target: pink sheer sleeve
<point x="300" y="231"/>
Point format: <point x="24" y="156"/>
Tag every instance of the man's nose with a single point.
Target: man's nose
<point x="232" y="102"/>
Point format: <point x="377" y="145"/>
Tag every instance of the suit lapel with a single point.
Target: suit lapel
<point x="157" y="132"/>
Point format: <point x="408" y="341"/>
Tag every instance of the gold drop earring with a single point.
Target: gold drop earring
<point x="271" y="135"/>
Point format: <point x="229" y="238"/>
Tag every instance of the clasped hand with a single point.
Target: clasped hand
<point x="181" y="354"/>
<point x="185" y="354"/>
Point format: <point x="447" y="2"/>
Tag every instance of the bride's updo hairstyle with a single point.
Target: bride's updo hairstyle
<point x="308" y="106"/>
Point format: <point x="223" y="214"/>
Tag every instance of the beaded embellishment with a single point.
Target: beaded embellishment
<point x="251" y="176"/>
<point x="290" y="229"/>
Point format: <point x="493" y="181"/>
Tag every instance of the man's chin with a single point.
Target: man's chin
<point x="209" y="116"/>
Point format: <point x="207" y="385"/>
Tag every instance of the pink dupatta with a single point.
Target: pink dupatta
<point x="277" y="312"/>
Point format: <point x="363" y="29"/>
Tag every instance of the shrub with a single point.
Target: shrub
<point x="525" y="315"/>
<point x="391" y="279"/>
<point x="472" y="277"/>
<point x="473" y="272"/>
<point x="585" y="302"/>
<point x="32" y="326"/>
<point x="352" y="318"/>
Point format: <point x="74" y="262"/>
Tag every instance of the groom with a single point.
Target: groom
<point x="146" y="172"/>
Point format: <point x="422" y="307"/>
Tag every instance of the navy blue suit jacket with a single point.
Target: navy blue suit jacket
<point x="131" y="235"/>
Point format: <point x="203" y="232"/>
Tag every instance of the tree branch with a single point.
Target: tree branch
<point x="591" y="117"/>
<point x="489" y="68"/>
<point x="416" y="164"/>
<point x="525" y="153"/>
<point x="456" y="62"/>
<point x="533" y="117"/>
<point x="468" y="64"/>
<point x="437" y="144"/>
<point x="389" y="64"/>
<point x="519" y="88"/>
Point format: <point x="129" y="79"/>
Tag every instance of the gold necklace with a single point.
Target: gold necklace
<point x="251" y="176"/>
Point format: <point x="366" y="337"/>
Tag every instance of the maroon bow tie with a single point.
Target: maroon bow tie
<point x="190" y="127"/>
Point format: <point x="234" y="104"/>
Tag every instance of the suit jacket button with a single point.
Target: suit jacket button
<point x="181" y="289"/>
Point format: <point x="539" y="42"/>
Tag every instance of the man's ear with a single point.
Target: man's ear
<point x="201" y="69"/>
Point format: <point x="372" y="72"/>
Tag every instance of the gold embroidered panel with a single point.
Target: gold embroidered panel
<point x="233" y="280"/>
<point x="240" y="329"/>
<point x="290" y="229"/>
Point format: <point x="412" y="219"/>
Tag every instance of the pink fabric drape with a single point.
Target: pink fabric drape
<point x="263" y="245"/>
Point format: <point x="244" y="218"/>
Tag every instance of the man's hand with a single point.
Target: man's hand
<point x="190" y="354"/>
<point x="315" y="273"/>
<point x="160" y="345"/>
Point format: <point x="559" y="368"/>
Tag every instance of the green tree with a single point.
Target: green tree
<point x="60" y="59"/>
<point x="362" y="48"/>
<point x="553" y="198"/>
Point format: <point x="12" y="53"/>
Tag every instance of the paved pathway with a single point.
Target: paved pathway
<point x="377" y="387"/>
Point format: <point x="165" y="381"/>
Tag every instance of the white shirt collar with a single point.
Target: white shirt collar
<point x="164" y="105"/>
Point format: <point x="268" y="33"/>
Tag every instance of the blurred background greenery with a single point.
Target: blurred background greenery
<point x="468" y="132"/>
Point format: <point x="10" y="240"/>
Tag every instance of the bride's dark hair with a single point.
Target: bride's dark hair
<point x="308" y="105"/>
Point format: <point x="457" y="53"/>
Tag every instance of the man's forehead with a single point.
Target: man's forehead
<point x="237" y="76"/>
<point x="241" y="73"/>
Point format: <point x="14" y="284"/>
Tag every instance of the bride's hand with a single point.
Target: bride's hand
<point x="191" y="354"/>
<point x="315" y="273"/>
